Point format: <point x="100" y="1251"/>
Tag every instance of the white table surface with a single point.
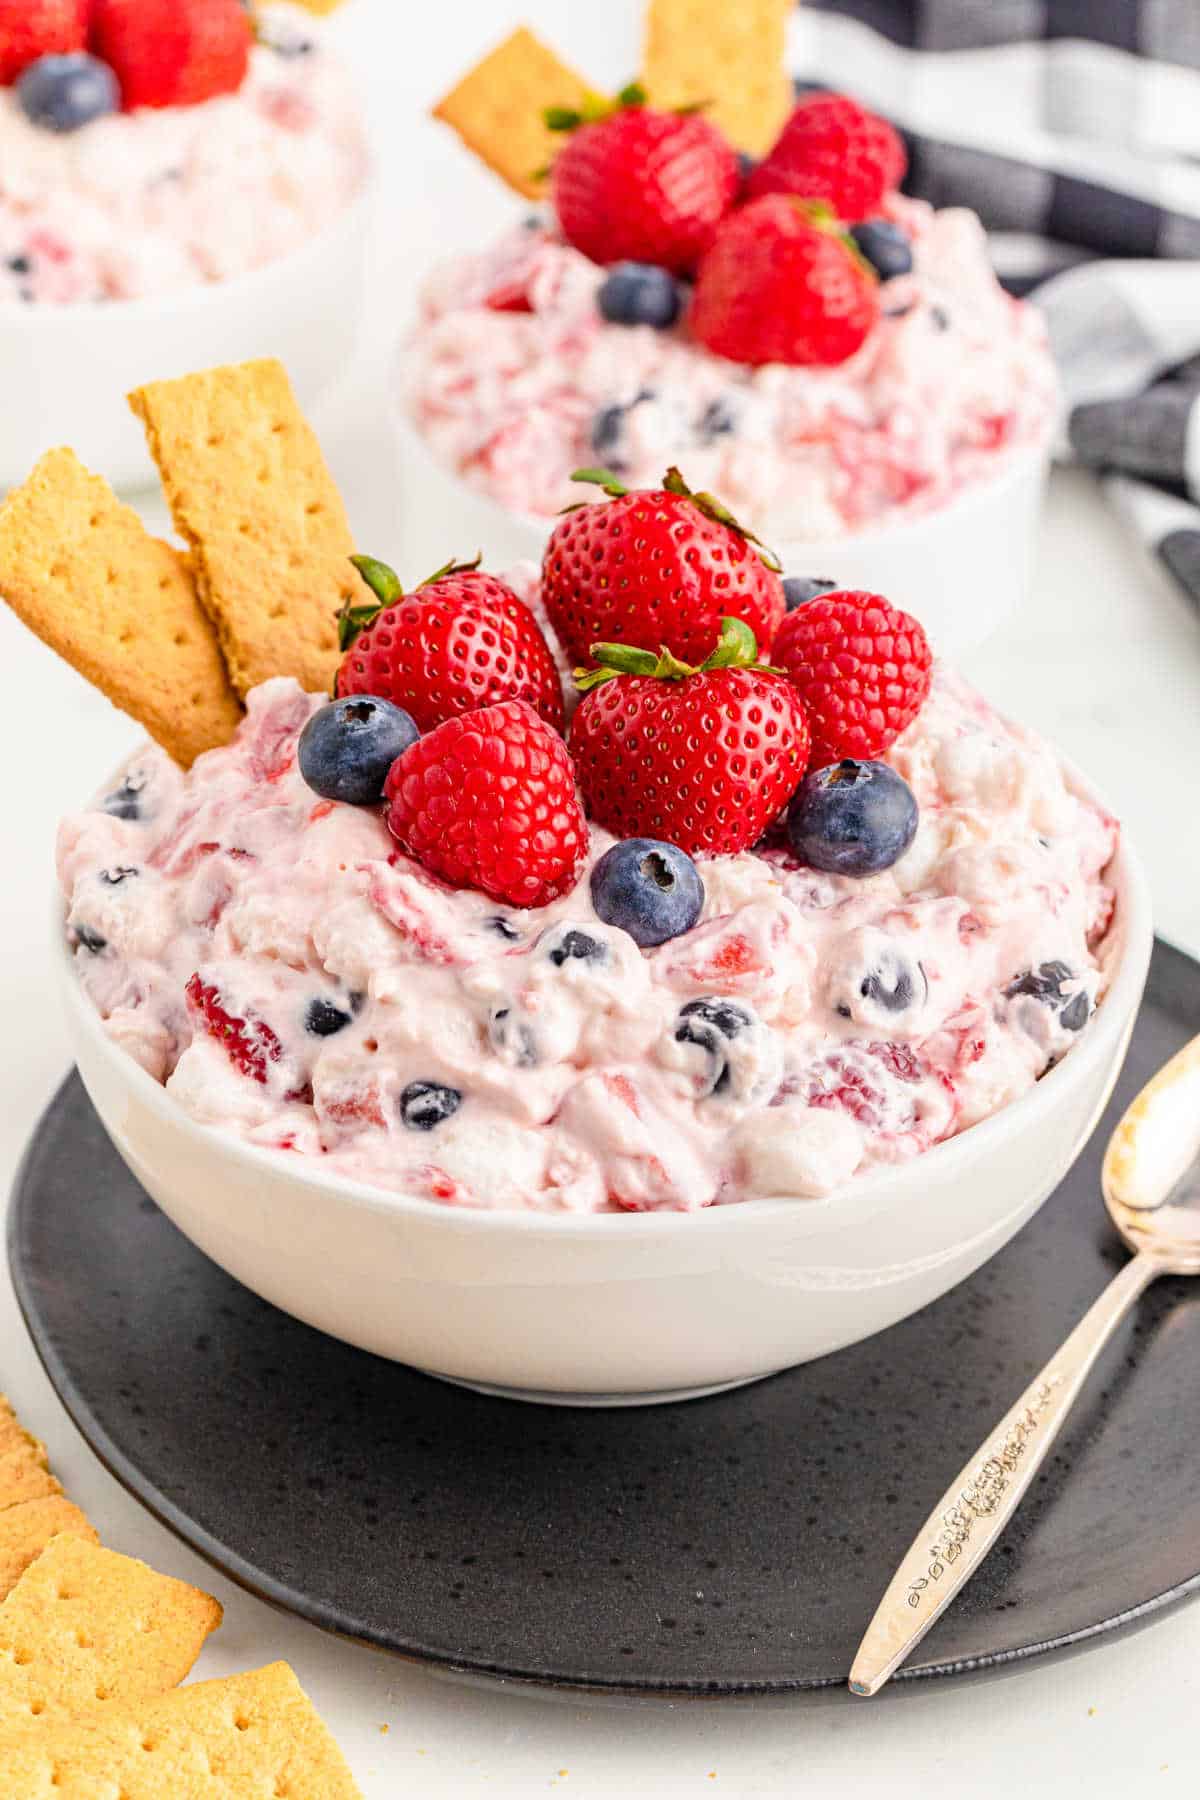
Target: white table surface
<point x="1105" y="656"/>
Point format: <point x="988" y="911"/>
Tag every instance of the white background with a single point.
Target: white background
<point x="1104" y="656"/>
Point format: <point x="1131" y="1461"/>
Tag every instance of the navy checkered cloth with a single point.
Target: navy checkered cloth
<point x="1072" y="127"/>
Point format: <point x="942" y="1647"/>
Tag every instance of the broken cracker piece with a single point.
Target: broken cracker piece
<point x="727" y="58"/>
<point x="27" y="1527"/>
<point x="497" y="109"/>
<point x="251" y="495"/>
<point x="86" y="1627"/>
<point x="82" y="572"/>
<point x="238" y="1738"/>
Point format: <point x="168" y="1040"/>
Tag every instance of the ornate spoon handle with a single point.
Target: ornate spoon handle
<point x="977" y="1506"/>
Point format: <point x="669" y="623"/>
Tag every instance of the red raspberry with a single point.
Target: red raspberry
<point x="33" y="28"/>
<point x="783" y="284"/>
<point x="663" y="565"/>
<point x="487" y="800"/>
<point x="863" y="669"/>
<point x="833" y="149"/>
<point x="644" y="186"/>
<point x="172" y="52"/>
<point x="462" y="641"/>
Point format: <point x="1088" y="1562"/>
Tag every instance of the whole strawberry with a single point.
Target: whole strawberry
<point x="862" y="668"/>
<point x="833" y="149"/>
<point x="462" y="640"/>
<point x="33" y="28"/>
<point x="704" y="757"/>
<point x="637" y="185"/>
<point x="172" y="52"/>
<point x="487" y="800"/>
<point x="661" y="563"/>
<point x="783" y="284"/>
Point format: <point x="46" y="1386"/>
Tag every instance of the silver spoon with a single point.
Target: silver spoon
<point x="1151" y="1184"/>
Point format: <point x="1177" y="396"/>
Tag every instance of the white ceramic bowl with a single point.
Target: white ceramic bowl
<point x="961" y="570"/>
<point x="65" y="370"/>
<point x="616" y="1308"/>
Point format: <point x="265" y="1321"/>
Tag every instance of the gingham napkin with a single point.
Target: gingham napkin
<point x="1072" y="127"/>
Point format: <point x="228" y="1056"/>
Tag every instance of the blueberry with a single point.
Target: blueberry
<point x="893" y="985"/>
<point x="939" y="318"/>
<point x="502" y="928"/>
<point x="90" y="939"/>
<point x="853" y="818"/>
<point x="61" y="93"/>
<point x="798" y="590"/>
<point x="513" y="1038"/>
<point x="347" y="748"/>
<point x="1076" y="1013"/>
<point x="636" y="293"/>
<point x="1045" y="985"/>
<point x="424" y="1104"/>
<point x="746" y="164"/>
<point x="125" y="802"/>
<point x="322" y="1018"/>
<point x="19" y="265"/>
<point x="575" y="945"/>
<point x="884" y="246"/>
<point x="718" y="419"/>
<point x="114" y="877"/>
<point x="648" y="888"/>
<point x="712" y="1023"/>
<point x="608" y="428"/>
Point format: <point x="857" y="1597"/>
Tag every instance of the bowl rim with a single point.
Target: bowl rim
<point x="859" y="1198"/>
<point x="1015" y="463"/>
<point x="349" y="220"/>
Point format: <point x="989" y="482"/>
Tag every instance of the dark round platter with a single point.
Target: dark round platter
<point x="721" y="1546"/>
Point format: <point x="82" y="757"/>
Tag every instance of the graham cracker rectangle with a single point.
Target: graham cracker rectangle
<point x="27" y="1527"/>
<point x="242" y="1738"/>
<point x="724" y="55"/>
<point x="83" y="573"/>
<point x="497" y="108"/>
<point x="86" y="1628"/>
<point x="251" y="495"/>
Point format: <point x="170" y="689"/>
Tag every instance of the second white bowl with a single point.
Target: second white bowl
<point x="961" y="570"/>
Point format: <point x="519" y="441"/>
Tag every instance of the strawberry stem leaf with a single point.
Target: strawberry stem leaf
<point x="594" y="108"/>
<point x="737" y="647"/>
<point x="613" y="486"/>
<point x="453" y="567"/>
<point x="562" y="118"/>
<point x="715" y="509"/>
<point x="383" y="582"/>
<point x="632" y="94"/>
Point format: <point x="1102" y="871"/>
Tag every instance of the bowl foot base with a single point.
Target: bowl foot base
<point x="543" y="1397"/>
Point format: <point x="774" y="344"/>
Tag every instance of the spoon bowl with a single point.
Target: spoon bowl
<point x="1151" y="1173"/>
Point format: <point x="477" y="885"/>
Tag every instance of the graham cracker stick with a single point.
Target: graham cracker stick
<point x="242" y="1738"/>
<point x="86" y="1628"/>
<point x="83" y="573"/>
<point x="251" y="495"/>
<point x="724" y="55"/>
<point x="497" y="108"/>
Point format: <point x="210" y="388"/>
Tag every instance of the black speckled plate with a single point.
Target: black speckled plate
<point x="728" y="1545"/>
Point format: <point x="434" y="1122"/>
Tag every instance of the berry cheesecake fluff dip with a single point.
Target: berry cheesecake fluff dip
<point x="740" y="928"/>
<point x="823" y="351"/>
<point x="149" y="146"/>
